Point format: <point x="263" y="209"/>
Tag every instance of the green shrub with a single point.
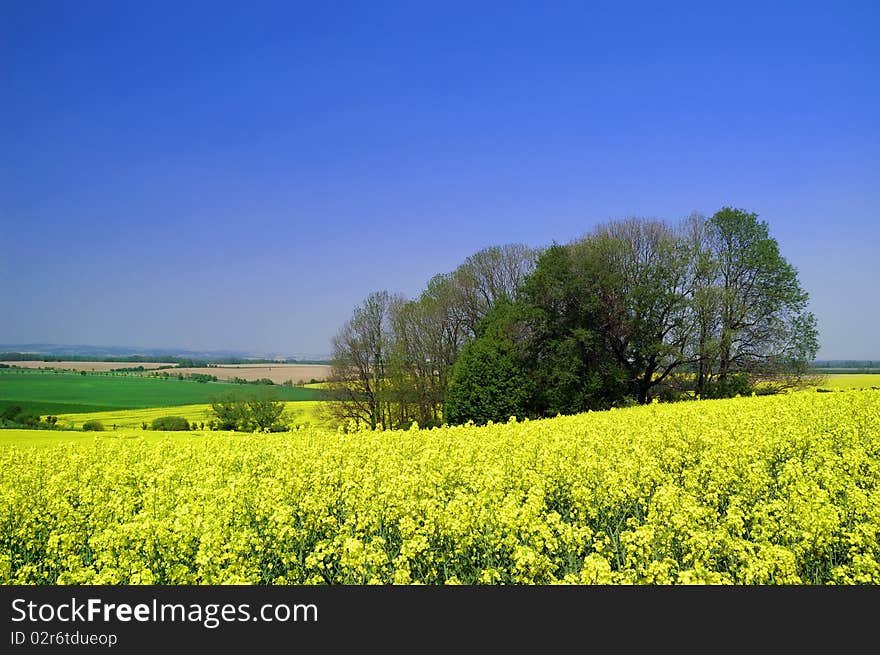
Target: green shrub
<point x="202" y="377"/>
<point x="93" y="426"/>
<point x="170" y="423"/>
<point x="735" y="384"/>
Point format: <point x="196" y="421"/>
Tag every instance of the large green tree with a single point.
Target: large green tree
<point x="257" y="412"/>
<point x="637" y="270"/>
<point x="634" y="310"/>
<point x="491" y="380"/>
<point x="563" y="327"/>
<point x="757" y="321"/>
<point x="637" y="306"/>
<point x="541" y="355"/>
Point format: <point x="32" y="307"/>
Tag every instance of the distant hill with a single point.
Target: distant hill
<point x="56" y="352"/>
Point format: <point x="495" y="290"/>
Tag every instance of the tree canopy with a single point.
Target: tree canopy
<point x="636" y="309"/>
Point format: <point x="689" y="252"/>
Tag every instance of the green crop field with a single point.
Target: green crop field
<point x="49" y="392"/>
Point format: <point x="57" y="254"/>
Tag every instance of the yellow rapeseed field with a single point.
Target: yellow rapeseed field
<point x="767" y="490"/>
<point x="295" y="412"/>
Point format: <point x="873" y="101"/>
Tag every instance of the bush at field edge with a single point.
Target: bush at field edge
<point x="170" y="423"/>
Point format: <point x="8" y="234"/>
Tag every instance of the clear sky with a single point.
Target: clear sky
<point x="241" y="175"/>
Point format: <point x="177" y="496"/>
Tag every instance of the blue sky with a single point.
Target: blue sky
<point x="240" y="175"/>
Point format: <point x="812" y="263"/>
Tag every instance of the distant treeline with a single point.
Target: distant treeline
<point x="848" y="366"/>
<point x="182" y="362"/>
<point x="847" y="363"/>
<point x="848" y="371"/>
<point x="195" y="377"/>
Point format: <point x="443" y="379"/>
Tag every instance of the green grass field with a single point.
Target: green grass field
<point x="48" y="392"/>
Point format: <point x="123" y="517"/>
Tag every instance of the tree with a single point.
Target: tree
<point x="393" y="360"/>
<point x="248" y="414"/>
<point x="231" y="413"/>
<point x="489" y="276"/>
<point x="562" y="326"/>
<point x="490" y="380"/>
<point x="263" y="413"/>
<point x="634" y="310"/>
<point x="11" y="413"/>
<point x="705" y="301"/>
<point x="361" y="351"/>
<point x="639" y="272"/>
<point x="428" y="334"/>
<point x="760" y="326"/>
<point x="541" y="355"/>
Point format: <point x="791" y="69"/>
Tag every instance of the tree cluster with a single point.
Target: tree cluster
<point x="633" y="311"/>
<point x="393" y="360"/>
<point x="256" y="414"/>
<point x="14" y="416"/>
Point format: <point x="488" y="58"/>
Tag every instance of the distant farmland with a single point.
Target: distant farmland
<point x="278" y="373"/>
<point x="88" y="366"/>
<point x="48" y="392"/>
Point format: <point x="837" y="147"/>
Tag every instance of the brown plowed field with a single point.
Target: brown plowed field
<point x="278" y="373"/>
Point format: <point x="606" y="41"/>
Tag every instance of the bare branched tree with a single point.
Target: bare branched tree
<point x="358" y="376"/>
<point x="488" y="276"/>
